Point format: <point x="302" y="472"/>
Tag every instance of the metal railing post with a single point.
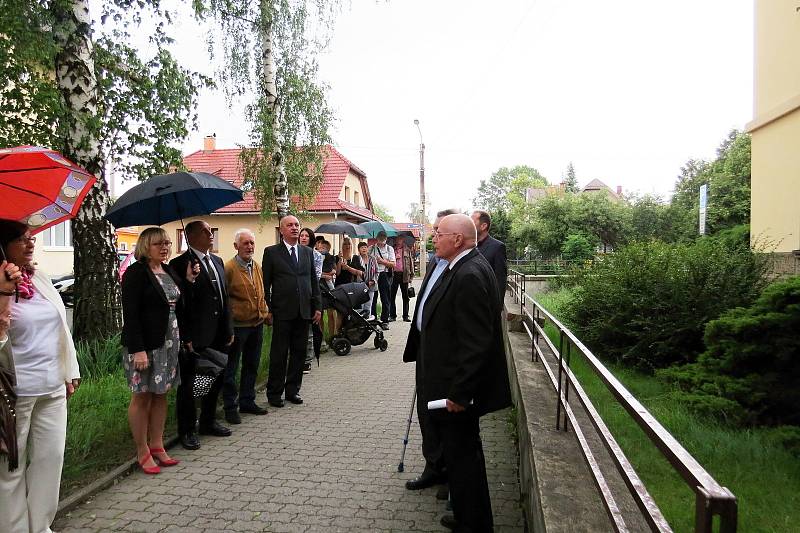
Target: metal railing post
<point x="560" y="373"/>
<point x="566" y="379"/>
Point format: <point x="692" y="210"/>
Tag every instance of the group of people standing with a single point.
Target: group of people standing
<point x="175" y="310"/>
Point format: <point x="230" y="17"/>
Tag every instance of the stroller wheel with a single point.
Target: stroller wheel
<point x="384" y="345"/>
<point x="378" y="341"/>
<point x="341" y="346"/>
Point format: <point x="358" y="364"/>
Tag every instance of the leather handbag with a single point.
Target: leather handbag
<point x="411" y="292"/>
<point x="209" y="366"/>
<point x="8" y="420"/>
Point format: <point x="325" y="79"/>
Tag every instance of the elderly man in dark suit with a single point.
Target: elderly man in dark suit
<point x="434" y="472"/>
<point x="493" y="250"/>
<point x="208" y="324"/>
<point x="457" y="341"/>
<point x="293" y="298"/>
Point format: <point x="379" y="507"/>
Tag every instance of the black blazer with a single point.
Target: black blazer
<point x="495" y="253"/>
<point x="208" y="320"/>
<point x="145" y="309"/>
<point x="291" y="290"/>
<point x="460" y="352"/>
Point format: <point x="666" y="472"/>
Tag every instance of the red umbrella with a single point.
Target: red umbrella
<point x="39" y="187"/>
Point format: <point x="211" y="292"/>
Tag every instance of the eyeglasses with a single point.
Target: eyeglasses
<point x="161" y="243"/>
<point x="437" y="233"/>
<point x="25" y="239"/>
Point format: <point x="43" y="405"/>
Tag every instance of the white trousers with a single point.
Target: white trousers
<point x="29" y="495"/>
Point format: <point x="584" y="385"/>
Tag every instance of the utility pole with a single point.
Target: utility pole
<point x="423" y="255"/>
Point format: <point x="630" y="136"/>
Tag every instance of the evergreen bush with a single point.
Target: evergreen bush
<point x="752" y="361"/>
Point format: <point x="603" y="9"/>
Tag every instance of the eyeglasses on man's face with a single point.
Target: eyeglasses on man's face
<point x="437" y="233"/>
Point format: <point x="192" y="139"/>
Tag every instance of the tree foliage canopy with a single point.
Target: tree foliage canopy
<point x="268" y="41"/>
<point x="506" y="188"/>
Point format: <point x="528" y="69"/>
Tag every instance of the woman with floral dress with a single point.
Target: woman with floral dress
<point x="152" y="313"/>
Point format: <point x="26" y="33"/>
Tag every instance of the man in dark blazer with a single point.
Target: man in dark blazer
<point x="208" y="324"/>
<point x="456" y="340"/>
<point x="493" y="250"/>
<point x="293" y="298"/>
<point x="434" y="471"/>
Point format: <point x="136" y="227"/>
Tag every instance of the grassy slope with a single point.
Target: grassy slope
<point x="762" y="474"/>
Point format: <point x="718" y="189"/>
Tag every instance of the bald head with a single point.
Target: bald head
<point x="455" y="234"/>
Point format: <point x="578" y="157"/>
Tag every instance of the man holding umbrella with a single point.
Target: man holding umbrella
<point x="209" y="325"/>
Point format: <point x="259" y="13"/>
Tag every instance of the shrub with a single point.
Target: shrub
<point x="752" y="359"/>
<point x="99" y="358"/>
<point x="577" y="247"/>
<point x="646" y="305"/>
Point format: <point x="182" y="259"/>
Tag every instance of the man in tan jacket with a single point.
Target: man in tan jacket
<point x="248" y="307"/>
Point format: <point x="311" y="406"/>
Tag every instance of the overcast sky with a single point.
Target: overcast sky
<point x="627" y="90"/>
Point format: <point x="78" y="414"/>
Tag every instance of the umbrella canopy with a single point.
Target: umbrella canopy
<point x="373" y="227"/>
<point x="171" y="197"/>
<point x="341" y="227"/>
<point x="39" y="187"/>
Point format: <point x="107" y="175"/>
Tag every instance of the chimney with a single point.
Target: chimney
<point x="210" y="143"/>
<point x="619" y="190"/>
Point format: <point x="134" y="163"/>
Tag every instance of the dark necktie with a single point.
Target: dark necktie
<point x="213" y="275"/>
<point x="294" y="256"/>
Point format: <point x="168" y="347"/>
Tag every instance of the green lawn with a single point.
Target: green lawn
<point x="98" y="437"/>
<point x="763" y="475"/>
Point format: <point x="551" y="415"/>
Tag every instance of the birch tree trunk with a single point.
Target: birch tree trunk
<point x="97" y="303"/>
<point x="270" y="88"/>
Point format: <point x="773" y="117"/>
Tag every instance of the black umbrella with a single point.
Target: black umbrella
<point x="341" y="227"/>
<point x="171" y="197"/>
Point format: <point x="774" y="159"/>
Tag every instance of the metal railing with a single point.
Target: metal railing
<point x="711" y="499"/>
<point x="541" y="267"/>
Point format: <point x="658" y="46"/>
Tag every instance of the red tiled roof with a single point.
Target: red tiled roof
<point x="225" y="164"/>
<point x="407" y="226"/>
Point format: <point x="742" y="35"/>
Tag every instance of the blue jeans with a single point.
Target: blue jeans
<point x="247" y="346"/>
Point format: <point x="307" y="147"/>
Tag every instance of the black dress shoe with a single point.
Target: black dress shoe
<point x="216" y="430"/>
<point x="425" y="480"/>
<point x="406" y="319"/>
<point x="252" y="409"/>
<point x="296" y="399"/>
<point x="449" y="521"/>
<point x="392" y="318"/>
<point x="384" y="326"/>
<point x="190" y="441"/>
<point x="232" y="416"/>
<point x="276" y="403"/>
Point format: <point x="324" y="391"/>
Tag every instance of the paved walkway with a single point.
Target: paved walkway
<point x="327" y="465"/>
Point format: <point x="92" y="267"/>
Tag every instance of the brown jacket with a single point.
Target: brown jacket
<point x="245" y="296"/>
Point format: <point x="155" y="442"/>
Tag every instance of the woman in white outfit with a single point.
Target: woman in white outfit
<point x="38" y="349"/>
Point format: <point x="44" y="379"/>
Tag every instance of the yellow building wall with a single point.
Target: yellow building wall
<point x="775" y="129"/>
<point x="775" y="187"/>
<point x="777" y="61"/>
<point x="354" y="184"/>
<point x="54" y="262"/>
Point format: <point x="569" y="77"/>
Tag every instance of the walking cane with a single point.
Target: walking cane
<point x="400" y="467"/>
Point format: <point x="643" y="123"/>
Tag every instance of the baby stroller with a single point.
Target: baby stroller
<point x="355" y="328"/>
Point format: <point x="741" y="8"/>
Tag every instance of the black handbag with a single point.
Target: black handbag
<point x="8" y="420"/>
<point x="209" y="366"/>
<point x="411" y="292"/>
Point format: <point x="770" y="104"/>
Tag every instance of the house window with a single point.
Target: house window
<point x="123" y="246"/>
<point x="355" y="197"/>
<point x="58" y="236"/>
<point x="180" y="238"/>
<point x="346" y="193"/>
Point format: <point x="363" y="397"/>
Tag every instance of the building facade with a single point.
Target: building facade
<point x="775" y="130"/>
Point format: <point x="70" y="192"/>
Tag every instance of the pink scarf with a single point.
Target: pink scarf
<point x="25" y="286"/>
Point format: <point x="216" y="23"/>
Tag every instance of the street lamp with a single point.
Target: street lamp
<point x="423" y="256"/>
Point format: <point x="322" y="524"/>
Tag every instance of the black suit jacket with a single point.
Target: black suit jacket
<point x="495" y="253"/>
<point x="460" y="352"/>
<point x="145" y="309"/>
<point x="291" y="290"/>
<point x="208" y="320"/>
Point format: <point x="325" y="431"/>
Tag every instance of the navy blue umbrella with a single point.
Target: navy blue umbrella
<point x="171" y="197"/>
